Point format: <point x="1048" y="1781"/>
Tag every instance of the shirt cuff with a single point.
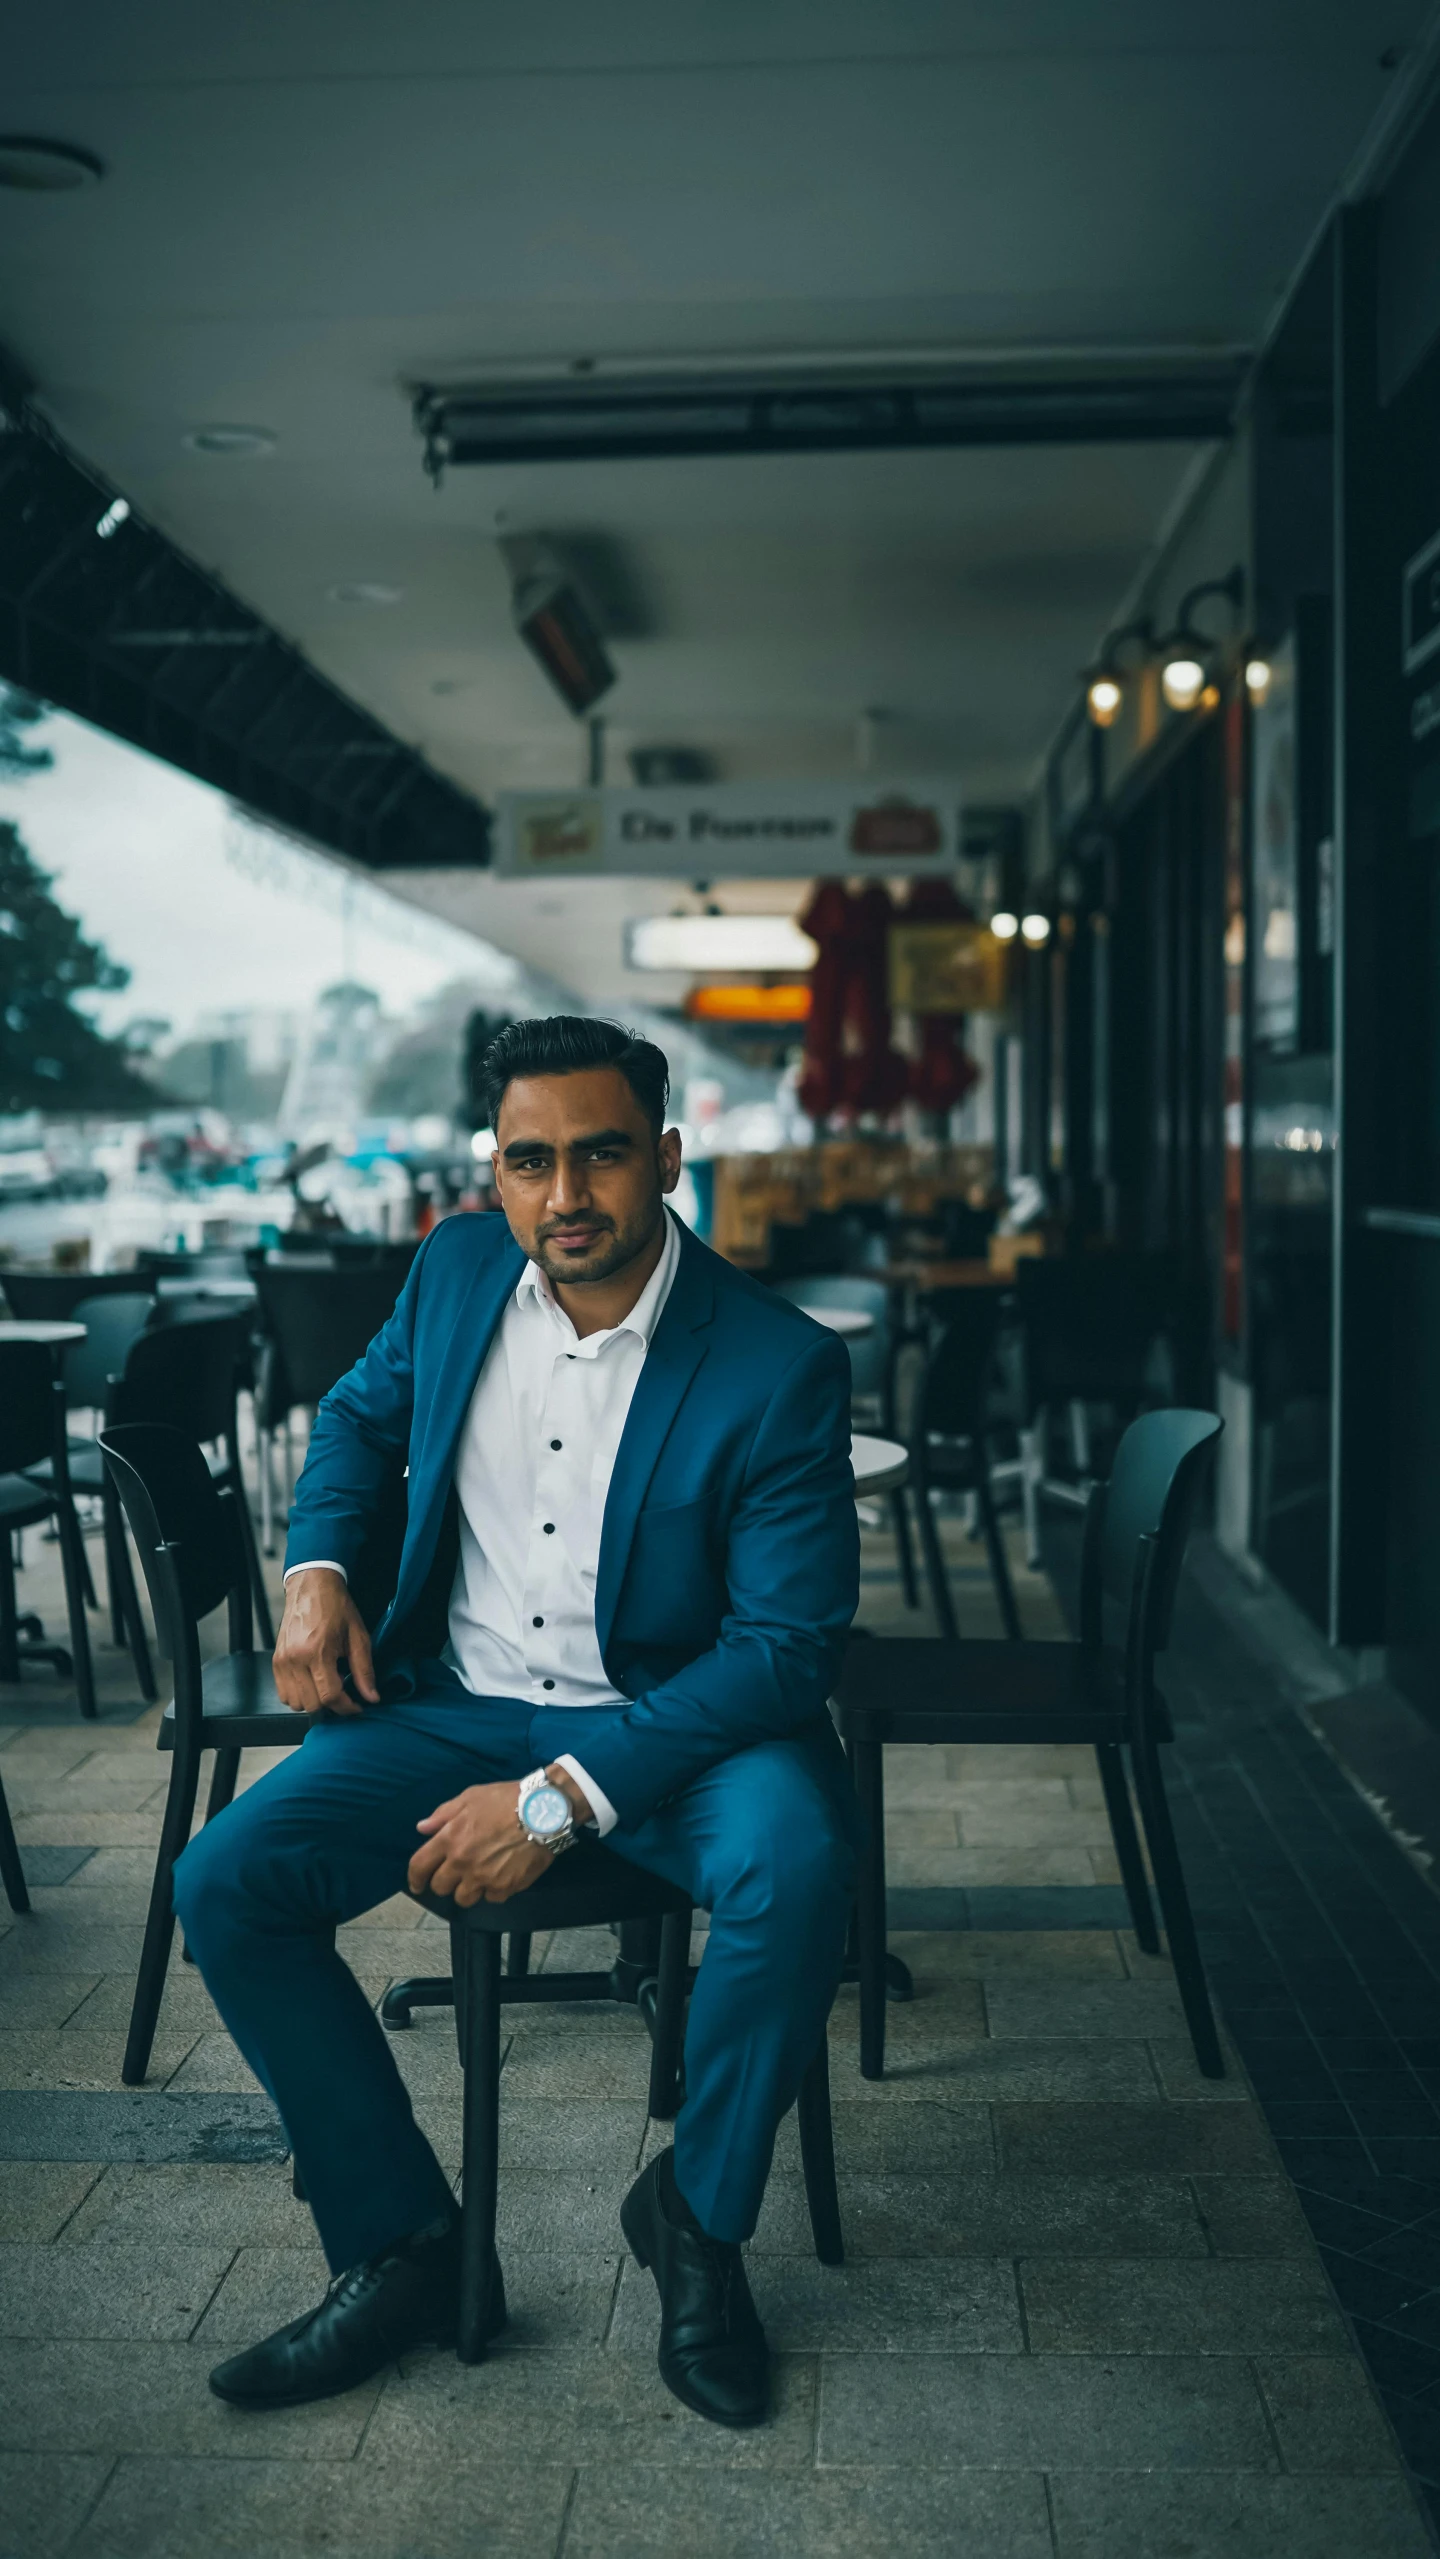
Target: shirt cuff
<point x="318" y="1564"/>
<point x="606" y="1816"/>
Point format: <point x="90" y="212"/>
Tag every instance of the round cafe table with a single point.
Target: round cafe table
<point x="881" y="1465"/>
<point x="850" y="1322"/>
<point x="58" y="1336"/>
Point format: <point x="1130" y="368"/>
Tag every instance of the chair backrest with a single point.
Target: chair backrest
<point x="111" y="1324"/>
<point x="216" y="1262"/>
<point x="1089" y="1321"/>
<point x="181" y="1377"/>
<point x="321" y="1322"/>
<point x="869" y="1352"/>
<point x="51" y="1297"/>
<point x="957" y="1370"/>
<point x="27" y="1405"/>
<point x="170" y="1500"/>
<point x="1150" y="1494"/>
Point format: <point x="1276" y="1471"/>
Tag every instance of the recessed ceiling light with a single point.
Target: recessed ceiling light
<point x="364" y="591"/>
<point x="34" y="167"/>
<point x="225" y="441"/>
<point x="769" y="942"/>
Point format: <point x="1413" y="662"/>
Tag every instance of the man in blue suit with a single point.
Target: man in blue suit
<point x="630" y="1492"/>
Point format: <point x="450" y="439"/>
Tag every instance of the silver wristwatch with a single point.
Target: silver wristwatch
<point x="545" y="1814"/>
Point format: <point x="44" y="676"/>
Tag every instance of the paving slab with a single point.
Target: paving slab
<point x="1100" y="2140"/>
<point x="67" y="2057"/>
<point x="84" y="2397"/>
<point x="1252" y="2216"/>
<point x="38" y="2196"/>
<point x="136" y="2124"/>
<point x="156" y="2291"/>
<point x="990" y="2216"/>
<point x="44" y="2499"/>
<point x="619" y="2514"/>
<point x="1181" y="2077"/>
<point x="923" y="2059"/>
<point x="220" y="2203"/>
<point x="30" y="2000"/>
<point x="1040" y="2006"/>
<point x="159" y="2509"/>
<point x="1129" y="2306"/>
<point x="557" y="2302"/>
<point x="895" y="2140"/>
<point x="962" y="1951"/>
<point x="960" y="2305"/>
<point x="596" y="2408"/>
<point x="1128" y="2517"/>
<point x="1022" y="2412"/>
<point x="1325" y="2414"/>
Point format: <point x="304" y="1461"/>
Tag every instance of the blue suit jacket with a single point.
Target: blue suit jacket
<point x="729" y="1558"/>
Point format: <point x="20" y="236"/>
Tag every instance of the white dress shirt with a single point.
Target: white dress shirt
<point x="532" y="1473"/>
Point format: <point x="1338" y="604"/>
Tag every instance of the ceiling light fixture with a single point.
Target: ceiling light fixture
<point x="1186" y="653"/>
<point x="228" y="443"/>
<point x="703" y="944"/>
<point x="1103" y="698"/>
<point x="1035" y="929"/>
<point x="1004" y="926"/>
<point x="35" y="167"/>
<point x="116" y="514"/>
<point x="1105" y="681"/>
<point x="557" y="626"/>
<point x="1258" y="673"/>
<point x="364" y="591"/>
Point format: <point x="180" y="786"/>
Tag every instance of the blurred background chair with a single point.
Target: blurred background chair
<point x="949" y="1445"/>
<point x="34" y="1487"/>
<point x="316" y="1320"/>
<point x="187" y="1530"/>
<point x="1097" y="1332"/>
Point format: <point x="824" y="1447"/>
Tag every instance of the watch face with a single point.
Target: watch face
<point x="546" y="1812"/>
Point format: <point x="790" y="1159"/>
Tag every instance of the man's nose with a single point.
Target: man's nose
<point x="569" y="1188"/>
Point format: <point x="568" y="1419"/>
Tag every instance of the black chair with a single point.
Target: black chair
<point x="949" y="1444"/>
<point x="111" y="1323"/>
<point x="51" y="1297"/>
<point x="12" y="1873"/>
<point x="194" y="1554"/>
<point x="184" y="1375"/>
<point x="587" y="1888"/>
<point x="315" y="1324"/>
<point x="32" y="1435"/>
<point x="1099" y="1690"/>
<point x="1095" y="1330"/>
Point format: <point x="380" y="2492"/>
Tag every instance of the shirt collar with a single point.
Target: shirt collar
<point x="644" y="1315"/>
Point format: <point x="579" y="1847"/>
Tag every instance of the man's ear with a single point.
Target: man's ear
<point x="668" y="1155"/>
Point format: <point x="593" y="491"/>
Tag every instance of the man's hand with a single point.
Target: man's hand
<point x="321" y="1628"/>
<point x="475" y="1848"/>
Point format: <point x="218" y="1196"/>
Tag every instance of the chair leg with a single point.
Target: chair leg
<point x="1175" y="1912"/>
<point x="517" y="1955"/>
<point x="817" y="2155"/>
<point x="122" y="1590"/>
<point x="482" y="2292"/>
<point x="160" y="1918"/>
<point x="1032" y="1471"/>
<point x="995" y="1547"/>
<point x="264" y="1458"/>
<point x="114" y="1573"/>
<point x="1127" y="1845"/>
<point x="87" y="1578"/>
<point x="72" y="1565"/>
<point x="935" y="1573"/>
<point x="12" y="1873"/>
<point x="222" y="1782"/>
<point x="868" y="1764"/>
<point x="669" y="2026"/>
<point x="264" y="1622"/>
<point x="9" y="1619"/>
<point x="905" y="1553"/>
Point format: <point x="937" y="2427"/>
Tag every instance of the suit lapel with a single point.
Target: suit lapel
<point x="477" y="1319"/>
<point x="676" y="1351"/>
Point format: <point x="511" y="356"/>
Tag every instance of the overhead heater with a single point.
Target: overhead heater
<point x="558" y="627"/>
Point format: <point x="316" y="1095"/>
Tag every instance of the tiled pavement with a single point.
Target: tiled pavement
<point x="1082" y="2313"/>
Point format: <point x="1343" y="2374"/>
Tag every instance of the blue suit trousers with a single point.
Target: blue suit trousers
<point x="764" y="1841"/>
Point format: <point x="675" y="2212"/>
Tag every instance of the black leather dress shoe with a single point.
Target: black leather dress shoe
<point x="713" y="2353"/>
<point x="371" y="2314"/>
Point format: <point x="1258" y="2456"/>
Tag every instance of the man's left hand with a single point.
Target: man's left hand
<point x="475" y="1849"/>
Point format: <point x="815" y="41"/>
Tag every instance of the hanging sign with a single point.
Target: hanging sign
<point x="731" y="830"/>
<point x="946" y="968"/>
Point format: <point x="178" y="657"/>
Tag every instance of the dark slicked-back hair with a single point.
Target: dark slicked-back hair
<point x="572" y="1044"/>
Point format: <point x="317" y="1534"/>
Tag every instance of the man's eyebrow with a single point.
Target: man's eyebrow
<point x="522" y="1146"/>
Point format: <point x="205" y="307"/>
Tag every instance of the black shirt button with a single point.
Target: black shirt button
<point x="537" y="1621"/>
<point x="547" y="1683"/>
<point x="549" y="1528"/>
<point x="554" y="1443"/>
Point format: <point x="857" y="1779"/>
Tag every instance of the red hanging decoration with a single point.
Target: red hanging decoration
<point x="875" y="1075"/>
<point x="827" y="921"/>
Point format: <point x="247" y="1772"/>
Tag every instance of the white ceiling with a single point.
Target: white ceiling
<point x="311" y="204"/>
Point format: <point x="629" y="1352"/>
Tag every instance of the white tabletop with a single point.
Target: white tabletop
<point x="851" y="1321"/>
<point x="13" y="1331"/>
<point x="234" y="1288"/>
<point x="880" y="1464"/>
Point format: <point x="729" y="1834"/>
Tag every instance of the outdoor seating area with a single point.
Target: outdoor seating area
<point x="1033" y="2165"/>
